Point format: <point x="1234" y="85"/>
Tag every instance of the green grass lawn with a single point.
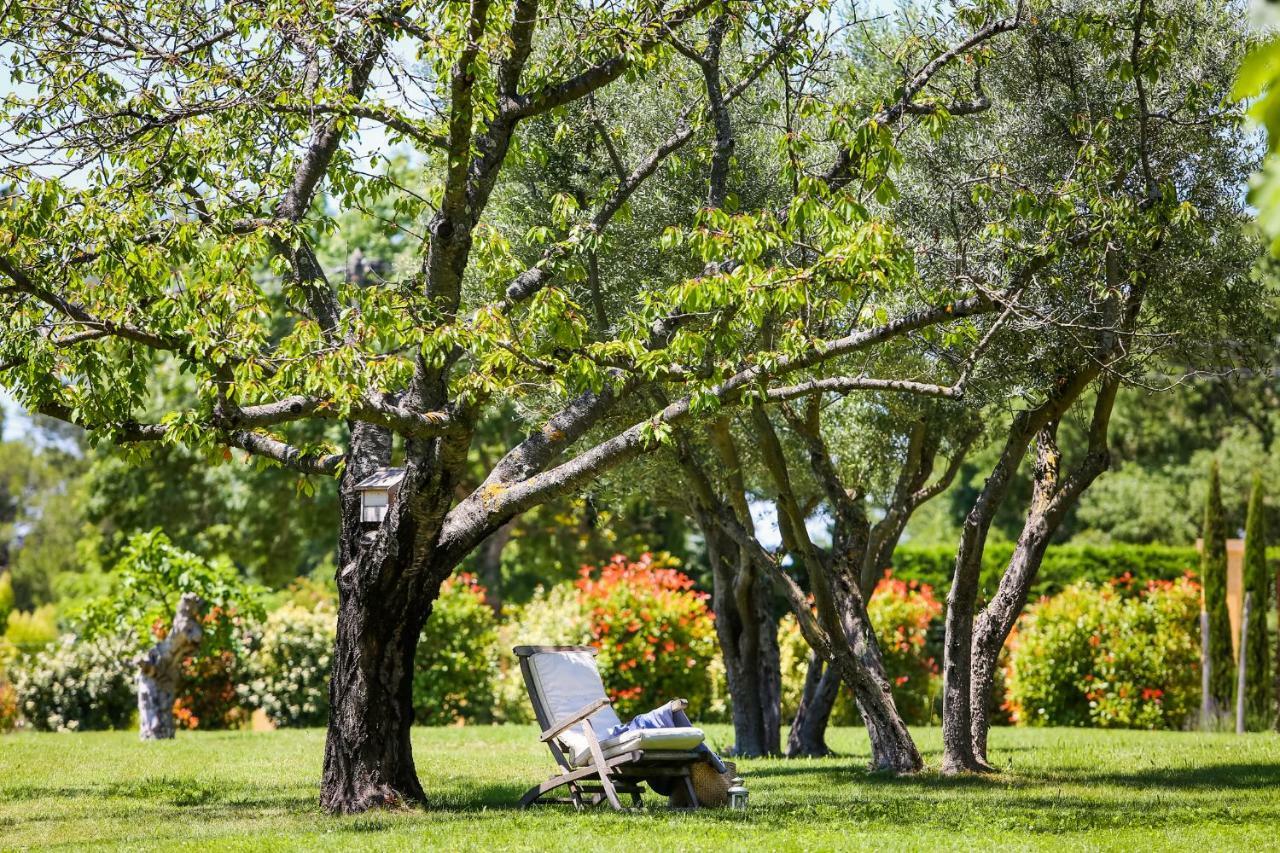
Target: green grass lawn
<point x="1061" y="788"/>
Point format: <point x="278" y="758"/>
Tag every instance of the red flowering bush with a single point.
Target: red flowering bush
<point x="655" y="633"/>
<point x="1120" y="655"/>
<point x="207" y="697"/>
<point x="8" y="706"/>
<point x="900" y="612"/>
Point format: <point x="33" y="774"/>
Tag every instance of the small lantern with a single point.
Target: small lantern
<point x="378" y="493"/>
<point x="738" y="795"/>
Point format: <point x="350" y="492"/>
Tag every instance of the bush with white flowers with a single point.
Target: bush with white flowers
<point x="77" y="685"/>
<point x="288" y="672"/>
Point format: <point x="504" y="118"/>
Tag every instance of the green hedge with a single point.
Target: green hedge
<point x="1063" y="564"/>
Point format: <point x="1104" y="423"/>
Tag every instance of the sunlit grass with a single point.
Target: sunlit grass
<point x="1060" y="788"/>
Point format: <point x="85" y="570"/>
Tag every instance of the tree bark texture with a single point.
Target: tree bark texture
<point x="841" y="631"/>
<point x="957" y="668"/>
<point x="387" y="581"/>
<point x="748" y="635"/>
<point x="160" y="668"/>
<point x="745" y="622"/>
<point x="808" y="735"/>
<point x="1275" y="660"/>
<point x="864" y="548"/>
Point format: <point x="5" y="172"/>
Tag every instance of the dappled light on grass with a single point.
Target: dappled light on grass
<point x="1059" y="788"/>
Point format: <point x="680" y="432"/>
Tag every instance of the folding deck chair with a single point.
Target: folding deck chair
<point x="575" y="714"/>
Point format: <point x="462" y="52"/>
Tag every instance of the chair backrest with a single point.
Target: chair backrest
<point x="560" y="681"/>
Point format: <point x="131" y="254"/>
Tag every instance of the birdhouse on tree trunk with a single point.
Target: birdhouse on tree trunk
<point x="378" y="493"/>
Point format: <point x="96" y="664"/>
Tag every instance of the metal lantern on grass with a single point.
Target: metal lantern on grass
<point x="738" y="795"/>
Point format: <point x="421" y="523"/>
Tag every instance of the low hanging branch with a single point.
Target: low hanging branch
<point x="160" y="668"/>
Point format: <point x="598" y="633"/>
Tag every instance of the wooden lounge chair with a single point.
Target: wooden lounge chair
<point x="575" y="714"/>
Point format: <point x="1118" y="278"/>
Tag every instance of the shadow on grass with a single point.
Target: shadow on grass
<point x="172" y="791"/>
<point x="1264" y="775"/>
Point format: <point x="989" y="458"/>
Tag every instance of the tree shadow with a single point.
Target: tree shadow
<point x="859" y="771"/>
<point x="1239" y="775"/>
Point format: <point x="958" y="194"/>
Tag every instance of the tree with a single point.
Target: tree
<point x="160" y="667"/>
<point x="1165" y="203"/>
<point x="1257" y="580"/>
<point x="1213" y="573"/>
<point x="914" y="438"/>
<point x="162" y="217"/>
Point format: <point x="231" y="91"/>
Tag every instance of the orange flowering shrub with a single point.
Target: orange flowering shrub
<point x="655" y="632"/>
<point x="1120" y="655"/>
<point x="8" y="706"/>
<point x="900" y="611"/>
<point x="207" y="697"/>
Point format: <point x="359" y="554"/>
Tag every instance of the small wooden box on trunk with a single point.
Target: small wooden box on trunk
<point x="378" y="493"/>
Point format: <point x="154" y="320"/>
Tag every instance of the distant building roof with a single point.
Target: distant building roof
<point x="383" y="478"/>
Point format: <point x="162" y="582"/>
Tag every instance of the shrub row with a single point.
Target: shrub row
<point x="656" y="641"/>
<point x="1063" y="564"/>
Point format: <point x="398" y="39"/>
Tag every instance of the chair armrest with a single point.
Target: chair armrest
<point x="574" y="718"/>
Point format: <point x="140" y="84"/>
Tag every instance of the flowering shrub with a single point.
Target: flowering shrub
<point x="287" y="676"/>
<point x="146" y="585"/>
<point x="900" y="613"/>
<point x="8" y="706"/>
<point x="1114" y="656"/>
<point x="453" y="676"/>
<point x="77" y="685"/>
<point x="654" y="631"/>
<point x="208" y="697"/>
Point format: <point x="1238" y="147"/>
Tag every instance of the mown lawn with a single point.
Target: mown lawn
<point x="1062" y="788"/>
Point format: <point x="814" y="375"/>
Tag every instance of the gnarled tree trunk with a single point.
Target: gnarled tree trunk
<point x="745" y="623"/>
<point x="160" y="668"/>
<point x="388" y="578"/>
<point x="368" y="760"/>
<point x="808" y="735"/>
<point x="748" y="635"/>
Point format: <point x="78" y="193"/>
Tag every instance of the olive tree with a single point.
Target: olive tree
<point x="1134" y="113"/>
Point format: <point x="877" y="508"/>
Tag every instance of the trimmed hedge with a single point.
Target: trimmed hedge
<point x="1063" y="564"/>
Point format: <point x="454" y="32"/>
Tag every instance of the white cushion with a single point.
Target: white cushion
<point x="655" y="740"/>
<point x="567" y="683"/>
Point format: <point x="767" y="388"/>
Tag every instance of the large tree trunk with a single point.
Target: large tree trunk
<point x="1052" y="496"/>
<point x="859" y="662"/>
<point x="161" y="667"/>
<point x="386" y="585"/>
<point x="745" y="622"/>
<point x="808" y="735"/>
<point x="994" y="624"/>
<point x="368" y="759"/>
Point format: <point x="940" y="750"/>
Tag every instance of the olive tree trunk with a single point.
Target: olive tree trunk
<point x="160" y="668"/>
<point x="748" y="635"/>
<point x="808" y="735"/>
<point x="1053" y="495"/>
